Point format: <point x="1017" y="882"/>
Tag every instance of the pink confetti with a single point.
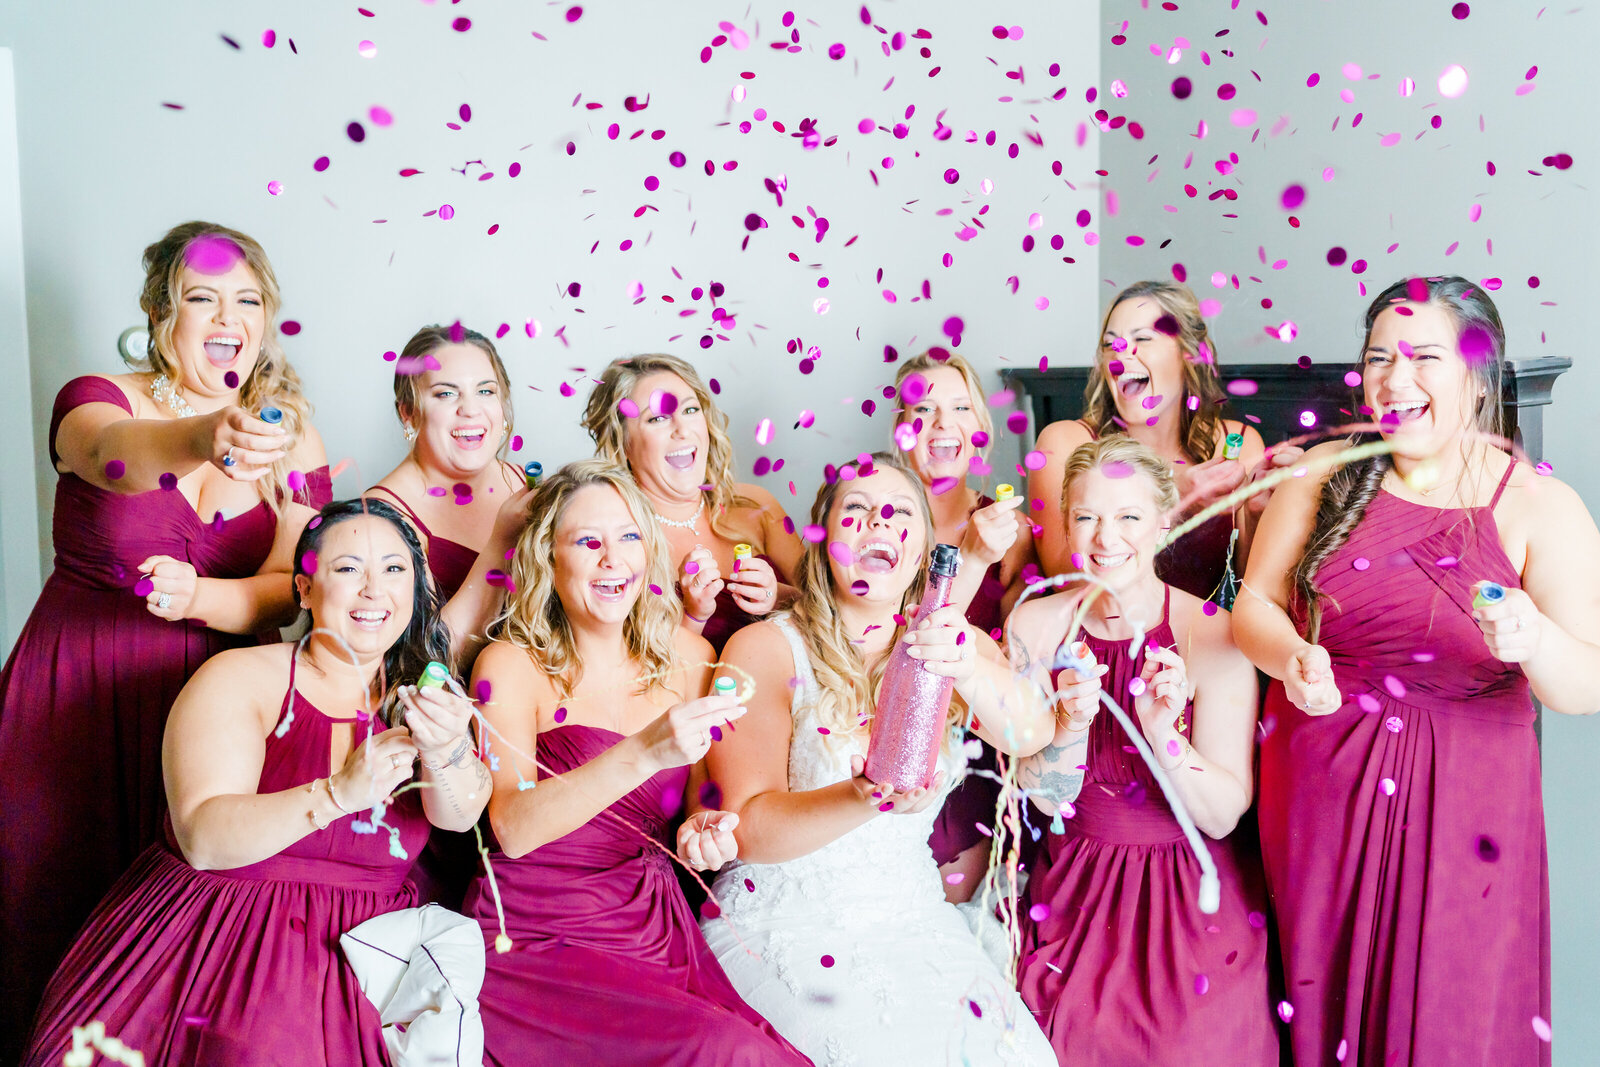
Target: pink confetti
<point x="1387" y="786"/>
<point x="1453" y="81"/>
<point x="841" y="553"/>
<point x="1361" y="563"/>
<point x="274" y="187"/>
<point x="1541" y="1028"/>
<point x="1243" y="116"/>
<point x="1202" y="985"/>
<point x="827" y="961"/>
<point x="1039" y="912"/>
<point x="1285" y="1010"/>
<point x="1034" y="460"/>
<point x="1394" y="724"/>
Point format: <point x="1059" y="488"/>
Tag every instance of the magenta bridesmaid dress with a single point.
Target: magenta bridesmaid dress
<point x="607" y="964"/>
<point x="240" y="968"/>
<point x="1404" y="833"/>
<point x="83" y="703"/>
<point x="1119" y="965"/>
<point x="729" y="618"/>
<point x="448" y="561"/>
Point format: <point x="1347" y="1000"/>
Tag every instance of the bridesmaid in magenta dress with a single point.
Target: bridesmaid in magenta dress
<point x="943" y="429"/>
<point x="1155" y="378"/>
<point x="176" y="515"/>
<point x="1119" y="964"/>
<point x="1401" y="816"/>
<point x="220" y="945"/>
<point x="654" y="416"/>
<point x="602" y="961"/>
<point x="453" y="397"/>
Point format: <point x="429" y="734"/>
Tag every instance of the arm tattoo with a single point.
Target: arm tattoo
<point x="457" y="754"/>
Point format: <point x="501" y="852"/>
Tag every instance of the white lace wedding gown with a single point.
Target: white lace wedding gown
<point x="852" y="952"/>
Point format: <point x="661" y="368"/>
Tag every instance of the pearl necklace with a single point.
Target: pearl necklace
<point x="166" y="393"/>
<point x="691" y="523"/>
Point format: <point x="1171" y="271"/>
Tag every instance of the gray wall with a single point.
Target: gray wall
<point x="105" y="169"/>
<point x="1416" y="194"/>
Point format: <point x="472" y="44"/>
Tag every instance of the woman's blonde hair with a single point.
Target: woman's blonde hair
<point x="933" y="359"/>
<point x="272" y="382"/>
<point x="407" y="376"/>
<point x="846" y="690"/>
<point x="535" y="619"/>
<point x="1181" y="319"/>
<point x="1125" y="456"/>
<point x="606" y="423"/>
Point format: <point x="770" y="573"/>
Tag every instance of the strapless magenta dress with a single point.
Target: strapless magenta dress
<point x="84" y="700"/>
<point x="608" y="964"/>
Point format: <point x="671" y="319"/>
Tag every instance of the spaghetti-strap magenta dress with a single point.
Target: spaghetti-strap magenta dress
<point x="241" y="968"/>
<point x="1119" y="964"/>
<point x="1404" y="833"/>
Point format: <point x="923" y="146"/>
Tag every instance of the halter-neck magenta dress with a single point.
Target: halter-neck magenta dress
<point x="241" y="968"/>
<point x="84" y="700"/>
<point x="607" y="962"/>
<point x="1119" y="964"/>
<point x="1404" y="833"/>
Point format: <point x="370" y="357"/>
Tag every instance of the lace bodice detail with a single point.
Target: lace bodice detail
<point x="877" y="866"/>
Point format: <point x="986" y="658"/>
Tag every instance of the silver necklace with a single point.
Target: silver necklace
<point x="167" y="393"/>
<point x="691" y="523"/>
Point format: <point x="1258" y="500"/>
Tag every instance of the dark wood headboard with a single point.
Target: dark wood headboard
<point x="1286" y="390"/>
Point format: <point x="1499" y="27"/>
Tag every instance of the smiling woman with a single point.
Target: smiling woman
<point x="835" y="867"/>
<point x="1155" y="378"/>
<point x="591" y="671"/>
<point x="654" y="416"/>
<point x="174" y="534"/>
<point x="1410" y="895"/>
<point x="260" y="871"/>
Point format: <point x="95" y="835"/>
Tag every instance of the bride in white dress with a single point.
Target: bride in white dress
<point x="834" y="924"/>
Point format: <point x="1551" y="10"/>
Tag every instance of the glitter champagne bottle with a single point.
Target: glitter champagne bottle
<point x="912" y="702"/>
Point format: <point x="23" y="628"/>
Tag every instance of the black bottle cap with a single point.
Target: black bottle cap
<point x="945" y="560"/>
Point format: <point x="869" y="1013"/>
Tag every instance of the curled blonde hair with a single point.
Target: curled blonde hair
<point x="844" y="684"/>
<point x="534" y="618"/>
<point x="1124" y="451"/>
<point x="606" y="423"/>
<point x="272" y="382"/>
<point x="1197" y="429"/>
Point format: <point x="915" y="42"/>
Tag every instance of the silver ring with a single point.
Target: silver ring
<point x="394" y="762"/>
<point x="227" y="459"/>
<point x="164" y="601"/>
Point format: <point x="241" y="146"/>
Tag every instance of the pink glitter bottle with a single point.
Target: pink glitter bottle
<point x="912" y="703"/>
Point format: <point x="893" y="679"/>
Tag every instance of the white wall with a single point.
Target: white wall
<point x="19" y="560"/>
<point x="105" y="169"/>
<point x="1416" y="194"/>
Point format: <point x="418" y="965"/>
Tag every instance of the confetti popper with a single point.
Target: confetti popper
<point x="533" y="470"/>
<point x="1004" y="492"/>
<point x="1488" y="593"/>
<point x="1232" y="445"/>
<point x="912" y="703"/>
<point x="272" y="415"/>
<point x="741" y="552"/>
<point x="724" y="686"/>
<point x="434" y="675"/>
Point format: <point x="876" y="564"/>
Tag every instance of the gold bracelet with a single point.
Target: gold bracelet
<point x="1188" y="750"/>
